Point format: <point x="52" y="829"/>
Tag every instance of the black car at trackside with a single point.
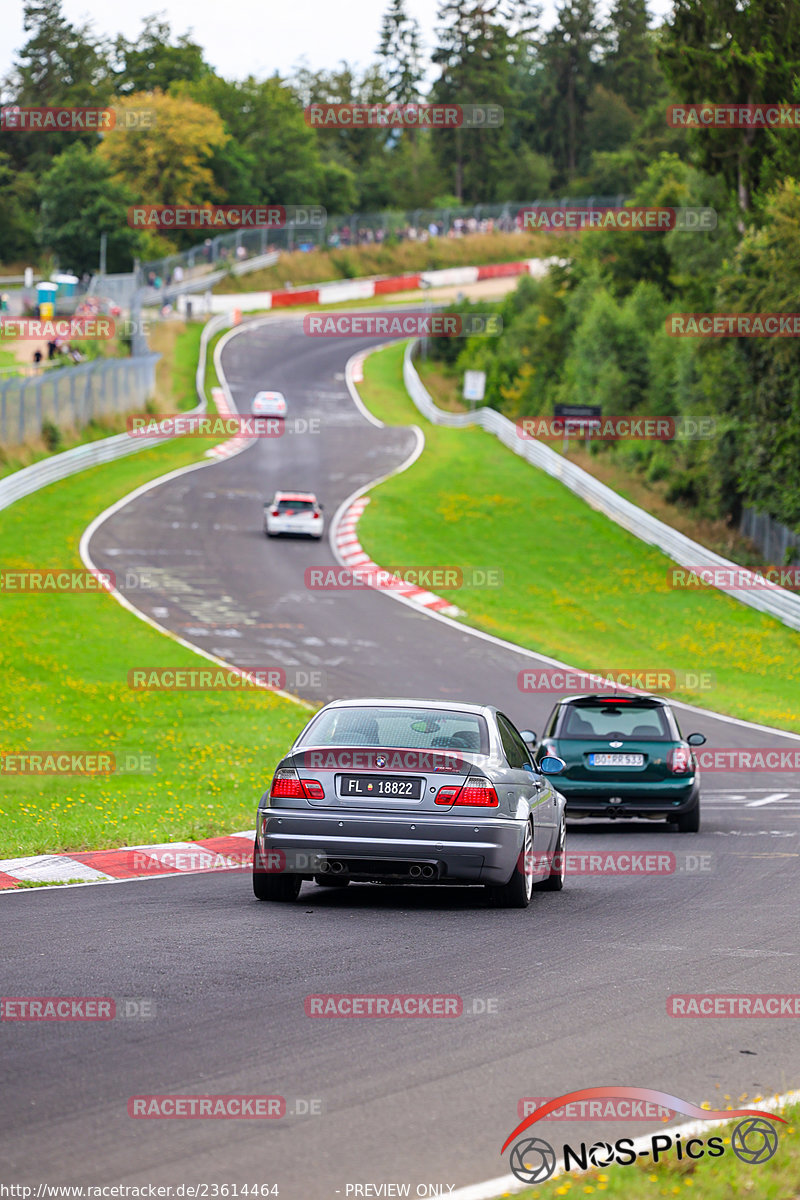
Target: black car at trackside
<point x="625" y="757"/>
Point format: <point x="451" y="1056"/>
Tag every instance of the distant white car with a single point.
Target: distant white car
<point x="294" y="512"/>
<point x="268" y="404"/>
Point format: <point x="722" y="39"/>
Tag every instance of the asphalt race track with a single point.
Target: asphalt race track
<point x="570" y="993"/>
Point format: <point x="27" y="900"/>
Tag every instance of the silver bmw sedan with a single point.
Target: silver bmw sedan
<point x="411" y="791"/>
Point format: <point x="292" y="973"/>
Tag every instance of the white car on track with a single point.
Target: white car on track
<point x="268" y="404"/>
<point x="294" y="512"/>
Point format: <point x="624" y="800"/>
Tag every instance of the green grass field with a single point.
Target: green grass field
<point x="61" y="689"/>
<point x="721" y="1178"/>
<point x="575" y="586"/>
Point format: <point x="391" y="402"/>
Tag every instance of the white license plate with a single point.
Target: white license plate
<point x="616" y="760"/>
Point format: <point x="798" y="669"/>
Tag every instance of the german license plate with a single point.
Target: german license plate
<point x="616" y="760"/>
<point x="384" y="787"/>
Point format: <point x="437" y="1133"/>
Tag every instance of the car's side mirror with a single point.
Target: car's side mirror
<point x="550" y="765"/>
<point x="696" y="739"/>
<point x="528" y="736"/>
<point x="321" y="507"/>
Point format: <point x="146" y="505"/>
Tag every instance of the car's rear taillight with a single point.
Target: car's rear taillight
<point x="274" y="513"/>
<point x="477" y="792"/>
<point x="679" y="760"/>
<point x="447" y="795"/>
<point x="287" y="785"/>
<point x="316" y="516"/>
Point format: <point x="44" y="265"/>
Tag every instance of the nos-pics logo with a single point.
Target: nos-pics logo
<point x="533" y="1160"/>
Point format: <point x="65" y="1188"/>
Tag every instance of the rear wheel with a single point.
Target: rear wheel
<point x="689" y="821"/>
<point x="269" y="885"/>
<point x="555" y="880"/>
<point x="517" y="892"/>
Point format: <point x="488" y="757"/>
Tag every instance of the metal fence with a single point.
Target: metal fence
<point x="779" y="544"/>
<point x="356" y="229"/>
<point x="60" y="466"/>
<point x="774" y="601"/>
<point x="73" y="396"/>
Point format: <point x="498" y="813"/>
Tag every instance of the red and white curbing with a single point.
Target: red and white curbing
<point x="232" y="853"/>
<point x="365" y="289"/>
<point x="233" y="445"/>
<point x="353" y="556"/>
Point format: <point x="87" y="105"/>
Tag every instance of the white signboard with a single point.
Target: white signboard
<point x="474" y="385"/>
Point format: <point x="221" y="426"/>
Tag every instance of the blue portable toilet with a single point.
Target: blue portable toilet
<point x="66" y="284"/>
<point x="46" y="299"/>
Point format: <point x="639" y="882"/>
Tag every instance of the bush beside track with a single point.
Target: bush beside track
<point x="576" y="586"/>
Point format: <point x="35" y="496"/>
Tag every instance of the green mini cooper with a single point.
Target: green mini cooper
<point x="625" y="757"/>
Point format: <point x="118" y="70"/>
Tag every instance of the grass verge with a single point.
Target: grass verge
<point x="724" y="1177"/>
<point x="575" y="586"/>
<point x="65" y="688"/>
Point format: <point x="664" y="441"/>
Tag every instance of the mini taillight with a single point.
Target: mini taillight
<point x="316" y="516"/>
<point x="679" y="760"/>
<point x="274" y="513"/>
<point x="447" y="795"/>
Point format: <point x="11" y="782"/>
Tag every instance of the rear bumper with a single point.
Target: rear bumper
<point x="302" y="528"/>
<point x="587" y="799"/>
<point x="375" y="846"/>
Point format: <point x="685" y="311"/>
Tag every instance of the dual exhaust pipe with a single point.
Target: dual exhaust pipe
<point x="334" y="866"/>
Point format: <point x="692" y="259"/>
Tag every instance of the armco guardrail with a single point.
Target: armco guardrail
<point x="776" y="602"/>
<point x="60" y="466"/>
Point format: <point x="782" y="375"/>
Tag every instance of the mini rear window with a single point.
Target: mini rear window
<point x="625" y="721"/>
<point x="295" y="506"/>
<point x="399" y="728"/>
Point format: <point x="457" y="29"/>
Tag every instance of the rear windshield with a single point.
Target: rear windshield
<point x="400" y="728"/>
<point x="295" y="505"/>
<point x="628" y="721"/>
